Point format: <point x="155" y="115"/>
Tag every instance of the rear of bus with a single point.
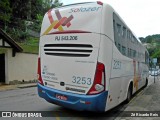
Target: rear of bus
<point x="69" y="72"/>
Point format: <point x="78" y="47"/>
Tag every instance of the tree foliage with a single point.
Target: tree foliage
<point x="56" y="3"/>
<point x="150" y="38"/>
<point x="21" y="9"/>
<point x="5" y="10"/>
<point x="154" y="42"/>
<point x="20" y="15"/>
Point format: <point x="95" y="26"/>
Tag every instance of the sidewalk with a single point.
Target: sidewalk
<point x="146" y="101"/>
<point x="18" y="86"/>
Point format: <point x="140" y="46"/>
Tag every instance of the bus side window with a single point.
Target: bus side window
<point x="116" y="44"/>
<point x="128" y="53"/>
<point x="119" y="47"/>
<point x="124" y="32"/>
<point x="118" y="29"/>
<point x="123" y="50"/>
<point x="127" y="34"/>
<point x="134" y="53"/>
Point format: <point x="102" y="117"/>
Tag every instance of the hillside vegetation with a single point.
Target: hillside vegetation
<point x="152" y="43"/>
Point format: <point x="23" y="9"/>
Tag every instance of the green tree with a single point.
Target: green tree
<point x="156" y="54"/>
<point x="36" y="8"/>
<point x="39" y="8"/>
<point x="21" y="9"/>
<point x="56" y="3"/>
<point x="149" y="39"/>
<point x="5" y="12"/>
<point x="142" y="39"/>
<point x="20" y="16"/>
<point x="48" y="4"/>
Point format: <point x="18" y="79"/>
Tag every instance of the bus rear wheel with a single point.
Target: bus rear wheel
<point x="146" y="83"/>
<point x="129" y="94"/>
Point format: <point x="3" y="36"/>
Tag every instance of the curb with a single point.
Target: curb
<point x="121" y="117"/>
<point x="18" y="86"/>
<point x="27" y="86"/>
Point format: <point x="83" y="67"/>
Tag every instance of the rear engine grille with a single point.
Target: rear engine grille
<point x="68" y="50"/>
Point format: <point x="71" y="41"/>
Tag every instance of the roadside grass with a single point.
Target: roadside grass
<point x="32" y="41"/>
<point x="31" y="45"/>
<point x="2" y="50"/>
<point x="29" y="48"/>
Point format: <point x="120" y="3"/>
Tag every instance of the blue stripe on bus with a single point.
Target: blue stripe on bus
<point x="74" y="101"/>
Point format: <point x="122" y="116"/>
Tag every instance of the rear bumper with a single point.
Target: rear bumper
<point x="74" y="101"/>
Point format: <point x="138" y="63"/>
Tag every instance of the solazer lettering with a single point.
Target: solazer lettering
<point x="82" y="9"/>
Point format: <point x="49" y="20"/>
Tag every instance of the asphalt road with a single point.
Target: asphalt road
<point x="27" y="100"/>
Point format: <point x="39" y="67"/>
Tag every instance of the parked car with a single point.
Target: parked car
<point x="154" y="72"/>
<point x="158" y="71"/>
<point x="150" y="71"/>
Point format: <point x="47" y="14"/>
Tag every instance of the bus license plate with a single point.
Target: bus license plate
<point x="61" y="97"/>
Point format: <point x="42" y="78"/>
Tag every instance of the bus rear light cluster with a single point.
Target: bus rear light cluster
<point x="99" y="2"/>
<point x="99" y="80"/>
<point x="39" y="72"/>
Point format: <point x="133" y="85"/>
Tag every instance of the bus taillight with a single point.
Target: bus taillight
<point x="99" y="80"/>
<point x="99" y="2"/>
<point x="39" y="72"/>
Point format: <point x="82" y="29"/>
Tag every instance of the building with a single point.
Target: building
<point x="15" y="66"/>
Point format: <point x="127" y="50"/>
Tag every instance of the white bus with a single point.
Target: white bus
<point x="89" y="60"/>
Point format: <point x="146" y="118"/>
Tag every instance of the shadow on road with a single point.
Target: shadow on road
<point x="113" y="113"/>
<point x="63" y="112"/>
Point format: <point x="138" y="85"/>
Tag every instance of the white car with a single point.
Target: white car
<point x="154" y="72"/>
<point x="158" y="71"/>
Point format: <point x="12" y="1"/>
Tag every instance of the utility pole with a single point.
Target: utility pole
<point x="154" y="71"/>
<point x="154" y="62"/>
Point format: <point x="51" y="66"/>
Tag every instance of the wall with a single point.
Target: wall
<point x="21" y="67"/>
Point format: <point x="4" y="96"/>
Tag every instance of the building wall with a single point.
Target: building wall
<point x="22" y="67"/>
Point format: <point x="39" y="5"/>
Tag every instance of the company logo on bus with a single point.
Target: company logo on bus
<point x="82" y="9"/>
<point x="59" y="23"/>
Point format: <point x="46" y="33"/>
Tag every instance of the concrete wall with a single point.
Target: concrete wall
<point x="21" y="67"/>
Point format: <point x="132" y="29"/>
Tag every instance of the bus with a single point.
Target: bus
<point x="89" y="59"/>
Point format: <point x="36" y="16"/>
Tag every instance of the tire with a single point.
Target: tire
<point x="146" y="83"/>
<point x="129" y="94"/>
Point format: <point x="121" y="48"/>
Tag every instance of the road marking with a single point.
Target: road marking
<point x="57" y="117"/>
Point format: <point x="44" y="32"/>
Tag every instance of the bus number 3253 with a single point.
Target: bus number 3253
<point x="81" y="80"/>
